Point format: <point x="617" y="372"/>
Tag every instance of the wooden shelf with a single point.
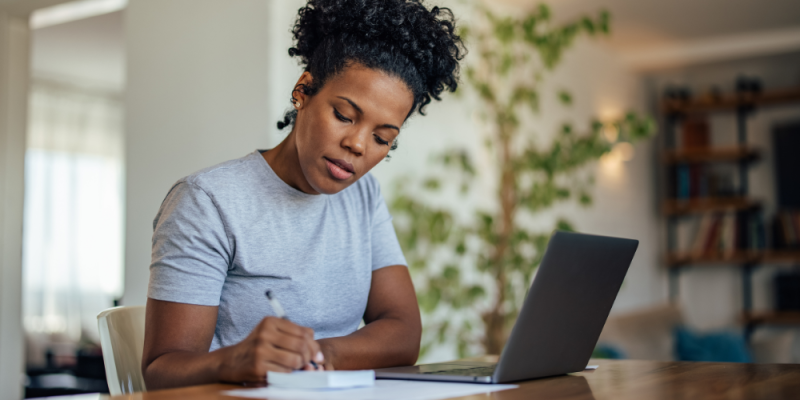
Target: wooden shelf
<point x="718" y="154"/>
<point x="735" y="259"/>
<point x="731" y="102"/>
<point x="773" y="318"/>
<point x="781" y="257"/>
<point x="707" y="204"/>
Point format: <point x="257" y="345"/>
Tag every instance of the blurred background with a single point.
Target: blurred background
<point x="674" y="123"/>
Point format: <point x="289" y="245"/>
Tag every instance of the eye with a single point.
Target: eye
<point x="340" y="117"/>
<point x="380" y="141"/>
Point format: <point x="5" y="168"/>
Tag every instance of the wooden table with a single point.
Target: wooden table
<point x="615" y="379"/>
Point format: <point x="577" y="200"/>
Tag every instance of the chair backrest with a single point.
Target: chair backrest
<point x="122" y="339"/>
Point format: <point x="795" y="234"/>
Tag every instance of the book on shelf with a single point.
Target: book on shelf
<point x="696" y="133"/>
<point x="724" y="234"/>
<point x="702" y="180"/>
<point x="786" y="230"/>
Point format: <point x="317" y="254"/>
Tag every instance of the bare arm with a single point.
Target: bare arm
<point x="178" y="336"/>
<point x="393" y="328"/>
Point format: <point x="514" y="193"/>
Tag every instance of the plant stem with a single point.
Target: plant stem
<point x="495" y="319"/>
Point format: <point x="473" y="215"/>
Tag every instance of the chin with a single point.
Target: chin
<point x="327" y="185"/>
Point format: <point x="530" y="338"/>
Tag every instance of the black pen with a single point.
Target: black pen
<point x="280" y="313"/>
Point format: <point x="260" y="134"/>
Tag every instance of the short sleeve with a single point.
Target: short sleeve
<point x="191" y="250"/>
<point x="386" y="249"/>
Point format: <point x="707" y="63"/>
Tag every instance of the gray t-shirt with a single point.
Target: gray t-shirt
<point x="226" y="234"/>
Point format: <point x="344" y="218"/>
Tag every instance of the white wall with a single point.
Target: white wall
<point x="14" y="75"/>
<point x="198" y="94"/>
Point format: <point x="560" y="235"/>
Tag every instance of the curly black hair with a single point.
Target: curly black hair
<point x="400" y="37"/>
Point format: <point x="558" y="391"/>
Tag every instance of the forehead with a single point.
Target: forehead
<point x="376" y="92"/>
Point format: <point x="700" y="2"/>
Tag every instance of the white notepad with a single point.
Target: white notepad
<point x="321" y="379"/>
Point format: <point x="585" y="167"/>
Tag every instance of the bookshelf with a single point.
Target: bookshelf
<point x="775" y="318"/>
<point x="676" y="207"/>
<point x="733" y="234"/>
<point x="721" y="154"/>
<point x="676" y="260"/>
<point x="732" y="102"/>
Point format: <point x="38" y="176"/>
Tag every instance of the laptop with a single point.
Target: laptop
<point x="560" y="320"/>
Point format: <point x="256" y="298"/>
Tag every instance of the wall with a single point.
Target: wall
<point x="197" y="77"/>
<point x="14" y="75"/>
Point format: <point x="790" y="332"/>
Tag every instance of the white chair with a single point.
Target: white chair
<point x="122" y="340"/>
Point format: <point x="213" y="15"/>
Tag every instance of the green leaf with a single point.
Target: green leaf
<point x="461" y="248"/>
<point x="564" y="225"/>
<point x="432" y="184"/>
<point x="451" y="273"/>
<point x="504" y="30"/>
<point x="475" y="292"/>
<point x="565" y="97"/>
<point x="442" y="331"/>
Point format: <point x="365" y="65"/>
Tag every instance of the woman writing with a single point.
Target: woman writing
<point x="304" y="220"/>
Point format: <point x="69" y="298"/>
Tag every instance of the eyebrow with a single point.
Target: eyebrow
<point x="360" y="111"/>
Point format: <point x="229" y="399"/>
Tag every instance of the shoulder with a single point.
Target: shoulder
<point x="226" y="174"/>
<point x="204" y="188"/>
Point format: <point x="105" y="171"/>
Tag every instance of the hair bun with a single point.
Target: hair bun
<point x="401" y="37"/>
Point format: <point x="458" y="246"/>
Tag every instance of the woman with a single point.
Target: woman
<point x="303" y="220"/>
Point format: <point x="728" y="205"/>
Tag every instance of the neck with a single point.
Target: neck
<point x="283" y="159"/>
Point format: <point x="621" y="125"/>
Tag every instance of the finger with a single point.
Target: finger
<point x="291" y="328"/>
<point x="319" y="358"/>
<point x="293" y="344"/>
<point x="287" y="359"/>
<point x="313" y="349"/>
<point x="277" y="368"/>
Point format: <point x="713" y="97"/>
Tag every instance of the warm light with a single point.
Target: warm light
<point x="611" y="165"/>
<point x="611" y="162"/>
<point x="623" y="150"/>
<point x="611" y="132"/>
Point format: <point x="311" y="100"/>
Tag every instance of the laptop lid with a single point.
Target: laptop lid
<point x="566" y="307"/>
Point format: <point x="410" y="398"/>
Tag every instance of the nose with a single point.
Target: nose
<point x="356" y="140"/>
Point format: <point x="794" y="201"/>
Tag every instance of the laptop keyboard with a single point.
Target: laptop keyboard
<point x="477" y="371"/>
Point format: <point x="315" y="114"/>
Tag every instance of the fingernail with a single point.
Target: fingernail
<point x="320" y="357"/>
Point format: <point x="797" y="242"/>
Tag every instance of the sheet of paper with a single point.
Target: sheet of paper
<point x="383" y="390"/>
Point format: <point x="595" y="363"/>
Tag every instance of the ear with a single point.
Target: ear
<point x="299" y="95"/>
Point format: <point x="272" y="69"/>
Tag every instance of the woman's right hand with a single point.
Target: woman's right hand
<point x="274" y="345"/>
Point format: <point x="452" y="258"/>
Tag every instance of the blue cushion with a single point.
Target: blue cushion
<point x="722" y="346"/>
<point x="606" y="350"/>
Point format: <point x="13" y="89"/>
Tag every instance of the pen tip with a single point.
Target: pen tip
<point x="269" y="294"/>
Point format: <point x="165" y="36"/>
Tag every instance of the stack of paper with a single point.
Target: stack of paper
<point x="321" y="379"/>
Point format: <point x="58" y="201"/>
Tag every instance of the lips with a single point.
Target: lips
<point x="339" y="169"/>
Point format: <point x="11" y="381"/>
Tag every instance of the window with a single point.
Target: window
<point x="73" y="223"/>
